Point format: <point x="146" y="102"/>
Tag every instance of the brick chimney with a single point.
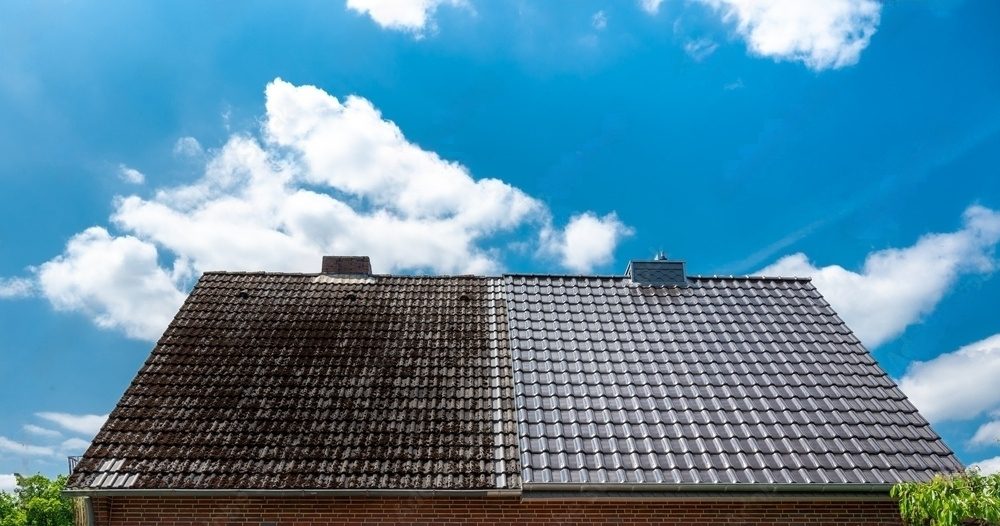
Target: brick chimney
<point x="347" y="265"/>
<point x="660" y="271"/>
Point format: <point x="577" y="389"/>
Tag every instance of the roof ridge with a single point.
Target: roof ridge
<point x="699" y="277"/>
<point x="314" y="274"/>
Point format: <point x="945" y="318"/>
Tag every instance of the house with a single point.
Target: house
<point x="654" y="397"/>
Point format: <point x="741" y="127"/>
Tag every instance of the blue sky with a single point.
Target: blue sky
<point x="856" y="142"/>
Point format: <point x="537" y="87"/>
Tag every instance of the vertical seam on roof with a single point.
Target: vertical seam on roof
<point x="493" y="288"/>
<point x="522" y="450"/>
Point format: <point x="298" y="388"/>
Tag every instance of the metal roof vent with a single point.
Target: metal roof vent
<point x="347" y="265"/>
<point x="660" y="272"/>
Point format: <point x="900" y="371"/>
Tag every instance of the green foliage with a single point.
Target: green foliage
<point x="960" y="499"/>
<point x="37" y="501"/>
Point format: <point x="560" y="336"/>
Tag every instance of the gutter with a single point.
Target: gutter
<point x="319" y="492"/>
<point x="707" y="491"/>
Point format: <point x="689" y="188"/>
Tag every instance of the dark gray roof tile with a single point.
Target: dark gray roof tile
<point x="724" y="381"/>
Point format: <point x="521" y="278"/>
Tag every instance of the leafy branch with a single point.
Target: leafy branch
<point x="961" y="499"/>
<point x="37" y="501"/>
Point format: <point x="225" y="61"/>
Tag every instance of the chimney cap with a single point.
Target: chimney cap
<point x="347" y="265"/>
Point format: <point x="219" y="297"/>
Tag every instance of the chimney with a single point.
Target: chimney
<point x="661" y="272"/>
<point x="347" y="265"/>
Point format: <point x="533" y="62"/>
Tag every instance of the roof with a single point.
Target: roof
<point x="270" y="382"/>
<point x="290" y="381"/>
<point x="726" y="381"/>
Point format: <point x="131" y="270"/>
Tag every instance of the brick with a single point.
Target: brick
<point x="312" y="511"/>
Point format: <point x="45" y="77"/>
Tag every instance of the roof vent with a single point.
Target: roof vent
<point x="347" y="265"/>
<point x="658" y="272"/>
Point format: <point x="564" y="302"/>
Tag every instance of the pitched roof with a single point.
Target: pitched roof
<point x="726" y="381"/>
<point x="311" y="381"/>
<point x="318" y="381"/>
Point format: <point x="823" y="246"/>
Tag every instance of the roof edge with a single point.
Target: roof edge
<point x="714" y="489"/>
<point x="232" y="492"/>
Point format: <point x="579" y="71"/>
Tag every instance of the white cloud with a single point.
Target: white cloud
<point x="896" y="287"/>
<point x="587" y="241"/>
<point x="74" y="445"/>
<point x="52" y="446"/>
<point x="988" y="433"/>
<point x="959" y="385"/>
<point x="116" y="281"/>
<point x="988" y="466"/>
<point x="350" y="147"/>
<point x="650" y="6"/>
<point x="188" y="147"/>
<point x="406" y="15"/>
<point x="16" y="288"/>
<point x="327" y="176"/>
<point x="69" y="446"/>
<point x="87" y="425"/>
<point x="700" y="49"/>
<point x="8" y="482"/>
<point x="41" y="431"/>
<point x="822" y="34"/>
<point x="130" y="175"/>
<point x="599" y="20"/>
<point x="18" y="448"/>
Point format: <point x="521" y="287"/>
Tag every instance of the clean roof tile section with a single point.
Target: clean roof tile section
<point x="292" y="381"/>
<point x="725" y="381"/>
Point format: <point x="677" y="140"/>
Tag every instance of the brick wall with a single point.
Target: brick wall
<point x="308" y="511"/>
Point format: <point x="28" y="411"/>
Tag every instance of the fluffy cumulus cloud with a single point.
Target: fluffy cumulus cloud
<point x="407" y="15"/>
<point x="822" y="34"/>
<point x="896" y="287"/>
<point x="84" y="424"/>
<point x="957" y="385"/>
<point x="115" y="280"/>
<point x="587" y="241"/>
<point x="325" y="176"/>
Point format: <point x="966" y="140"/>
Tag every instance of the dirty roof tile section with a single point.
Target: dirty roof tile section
<point x="297" y="381"/>
<point x="725" y="381"/>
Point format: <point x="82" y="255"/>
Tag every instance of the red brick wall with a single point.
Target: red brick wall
<point x="308" y="511"/>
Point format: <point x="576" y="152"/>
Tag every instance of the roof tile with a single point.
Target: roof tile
<point x="724" y="381"/>
<point x="304" y="381"/>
